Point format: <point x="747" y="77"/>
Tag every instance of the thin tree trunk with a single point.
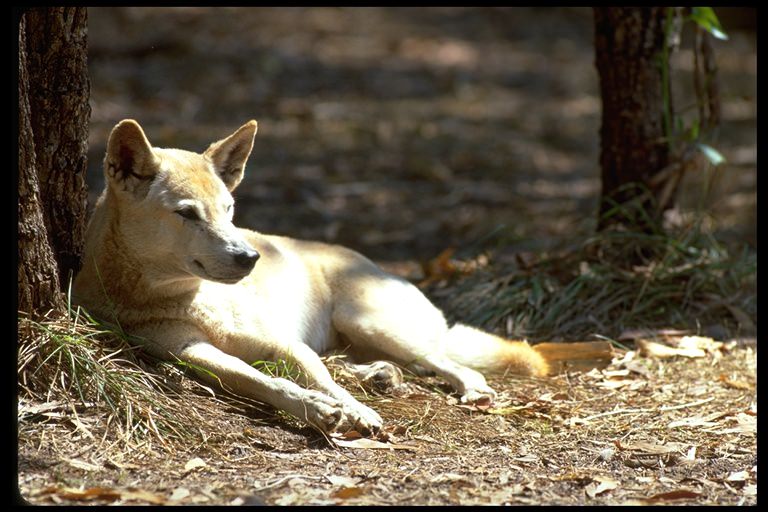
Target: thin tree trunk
<point x="629" y="44"/>
<point x="58" y="97"/>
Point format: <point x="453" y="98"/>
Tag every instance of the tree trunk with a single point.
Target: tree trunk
<point x="38" y="274"/>
<point x="58" y="98"/>
<point x="53" y="123"/>
<point x="629" y="44"/>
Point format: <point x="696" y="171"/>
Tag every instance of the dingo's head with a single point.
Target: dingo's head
<point x="174" y="207"/>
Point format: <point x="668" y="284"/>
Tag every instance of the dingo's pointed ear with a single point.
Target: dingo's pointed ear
<point x="229" y="155"/>
<point x="130" y="163"/>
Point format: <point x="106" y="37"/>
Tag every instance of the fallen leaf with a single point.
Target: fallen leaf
<point x="702" y="342"/>
<point x="630" y="384"/>
<point x="733" y="383"/>
<point x="347" y="492"/>
<point x="193" y="464"/>
<point x="512" y="409"/>
<point x="594" y="373"/>
<point x="749" y="490"/>
<point x="396" y="429"/>
<point x="528" y="457"/>
<point x="179" y="494"/>
<point x="475" y="407"/>
<point x="606" y="454"/>
<point x="653" y="448"/>
<point x="104" y="493"/>
<point x="637" y="367"/>
<point x="91" y="493"/>
<point x="600" y="485"/>
<point x="698" y="421"/>
<point x="443" y="267"/>
<point x="623" y="359"/>
<point x="80" y="464"/>
<point x="342" y="481"/>
<point x="746" y="424"/>
<point x="141" y="495"/>
<point x="633" y="334"/>
<point x="737" y="476"/>
<point x="426" y="438"/>
<point x="659" y="351"/>
<point x="610" y="374"/>
<point x="351" y="434"/>
<point x="681" y="494"/>
<point x="448" y="477"/>
<point x="27" y="409"/>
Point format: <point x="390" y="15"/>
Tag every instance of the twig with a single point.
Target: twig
<point x="641" y="411"/>
<point x="620" y="411"/>
<point x="665" y="408"/>
<point x="281" y="480"/>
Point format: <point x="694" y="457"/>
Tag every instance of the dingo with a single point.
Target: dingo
<point x="163" y="259"/>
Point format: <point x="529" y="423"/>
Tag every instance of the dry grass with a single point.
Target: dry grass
<point x="76" y="371"/>
<point x="611" y="282"/>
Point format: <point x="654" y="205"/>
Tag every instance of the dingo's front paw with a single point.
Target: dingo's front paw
<point x="482" y="396"/>
<point x="361" y="418"/>
<point x="322" y="411"/>
<point x="380" y="376"/>
<point x="332" y="415"/>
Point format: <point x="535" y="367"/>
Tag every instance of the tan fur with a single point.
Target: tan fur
<point x="163" y="260"/>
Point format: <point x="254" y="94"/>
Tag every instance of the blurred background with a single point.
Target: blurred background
<point x="401" y="132"/>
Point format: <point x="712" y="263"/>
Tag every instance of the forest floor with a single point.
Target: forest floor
<point x="401" y="133"/>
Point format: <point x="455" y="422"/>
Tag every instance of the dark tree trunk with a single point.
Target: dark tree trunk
<point x="629" y="44"/>
<point x="58" y="99"/>
<point x="53" y="126"/>
<point x="38" y="273"/>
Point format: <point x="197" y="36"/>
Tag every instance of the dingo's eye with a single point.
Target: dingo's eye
<point x="188" y="213"/>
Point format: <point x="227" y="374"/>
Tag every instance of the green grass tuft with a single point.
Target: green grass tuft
<point x="77" y="361"/>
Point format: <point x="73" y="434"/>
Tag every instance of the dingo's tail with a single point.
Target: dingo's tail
<point x="490" y="353"/>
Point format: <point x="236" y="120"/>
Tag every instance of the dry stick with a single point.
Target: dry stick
<point x="285" y="479"/>
<point x="665" y="408"/>
<point x="619" y="411"/>
<point x="710" y="77"/>
<point x="697" y="72"/>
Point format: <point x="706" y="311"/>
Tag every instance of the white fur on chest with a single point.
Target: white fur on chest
<point x="277" y="309"/>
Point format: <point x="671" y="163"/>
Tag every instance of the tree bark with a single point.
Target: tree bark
<point x="629" y="44"/>
<point x="58" y="98"/>
<point x="38" y="275"/>
<point x="53" y="127"/>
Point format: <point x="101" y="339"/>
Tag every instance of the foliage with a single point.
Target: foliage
<point x="681" y="137"/>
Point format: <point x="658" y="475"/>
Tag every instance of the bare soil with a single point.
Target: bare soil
<point x="402" y="132"/>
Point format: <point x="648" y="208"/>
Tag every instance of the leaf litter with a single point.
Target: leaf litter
<point x="544" y="439"/>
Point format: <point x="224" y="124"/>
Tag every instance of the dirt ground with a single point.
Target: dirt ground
<point x="641" y="431"/>
<point x="401" y="132"/>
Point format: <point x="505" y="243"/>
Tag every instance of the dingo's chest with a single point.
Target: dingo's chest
<point x="245" y="314"/>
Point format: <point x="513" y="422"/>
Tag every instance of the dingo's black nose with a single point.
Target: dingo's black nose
<point x="247" y="259"/>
